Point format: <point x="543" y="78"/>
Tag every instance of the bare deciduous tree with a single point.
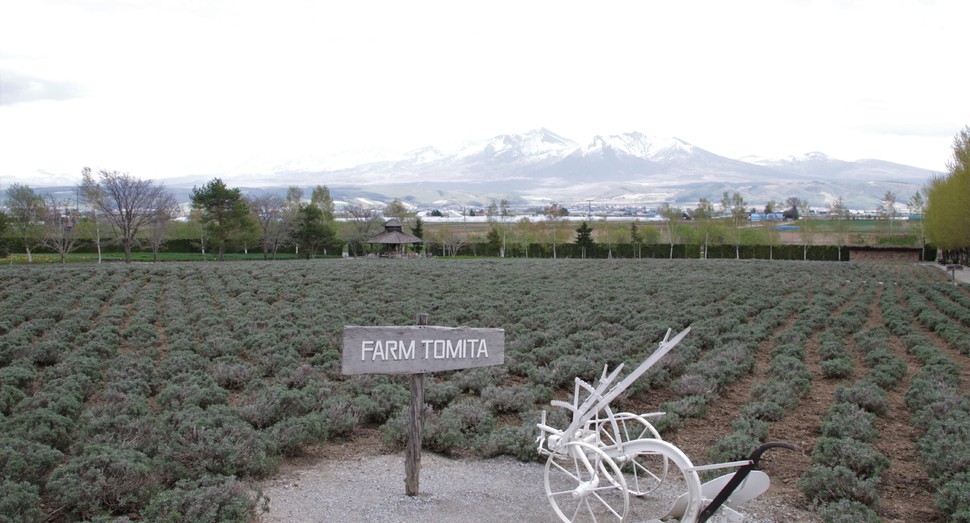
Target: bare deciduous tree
<point x="60" y="226"/>
<point x="555" y="214"/>
<point x="734" y="205"/>
<point x="275" y="223"/>
<point x="399" y="210"/>
<point x="127" y="203"/>
<point x="451" y="241"/>
<point x="161" y="223"/>
<point x="840" y="214"/>
<point x="294" y="196"/>
<point x="807" y="229"/>
<point x="889" y="209"/>
<point x="364" y="223"/>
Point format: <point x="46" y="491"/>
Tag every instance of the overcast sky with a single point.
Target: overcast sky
<point x="197" y="87"/>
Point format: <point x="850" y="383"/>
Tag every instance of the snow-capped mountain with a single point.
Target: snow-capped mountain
<point x="639" y="145"/>
<point x="624" y="168"/>
<point x="535" y="145"/>
<point x="510" y="155"/>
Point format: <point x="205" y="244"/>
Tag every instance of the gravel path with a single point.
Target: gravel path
<point x="370" y="488"/>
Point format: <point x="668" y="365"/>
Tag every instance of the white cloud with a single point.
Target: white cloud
<point x="173" y="88"/>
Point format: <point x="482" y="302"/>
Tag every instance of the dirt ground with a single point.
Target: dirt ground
<point x="358" y="481"/>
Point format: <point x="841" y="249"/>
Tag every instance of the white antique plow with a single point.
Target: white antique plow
<point x="602" y="458"/>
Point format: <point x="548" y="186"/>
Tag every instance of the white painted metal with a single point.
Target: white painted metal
<point x="584" y="485"/>
<point x="754" y="485"/>
<point x="602" y="458"/>
<point x="644" y="472"/>
<point x="685" y="475"/>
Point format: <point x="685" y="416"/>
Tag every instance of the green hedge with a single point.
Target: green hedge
<point x="659" y="250"/>
<point x="13" y="246"/>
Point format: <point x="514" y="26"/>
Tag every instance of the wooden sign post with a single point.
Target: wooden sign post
<point x="416" y="350"/>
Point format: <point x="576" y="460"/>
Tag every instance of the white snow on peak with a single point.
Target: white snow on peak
<point x="537" y="143"/>
<point x="640" y="145"/>
<point x="427" y="154"/>
<point x="758" y="160"/>
<point x="813" y="156"/>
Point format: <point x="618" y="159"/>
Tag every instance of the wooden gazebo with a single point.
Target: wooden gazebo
<point x="394" y="237"/>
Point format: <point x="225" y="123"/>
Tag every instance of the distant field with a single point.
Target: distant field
<point x="178" y="383"/>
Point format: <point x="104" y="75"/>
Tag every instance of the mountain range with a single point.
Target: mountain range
<point x="539" y="166"/>
<point x="630" y="169"/>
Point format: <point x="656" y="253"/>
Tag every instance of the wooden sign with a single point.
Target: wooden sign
<point x="416" y="350"/>
<point x="420" y="349"/>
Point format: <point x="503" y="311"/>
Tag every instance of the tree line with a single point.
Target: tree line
<point x="710" y="225"/>
<point x="132" y="212"/>
<point x="948" y="204"/>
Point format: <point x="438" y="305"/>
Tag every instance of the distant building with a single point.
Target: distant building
<point x="767" y="217"/>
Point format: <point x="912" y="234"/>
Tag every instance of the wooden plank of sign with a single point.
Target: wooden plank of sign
<point x="418" y="349"/>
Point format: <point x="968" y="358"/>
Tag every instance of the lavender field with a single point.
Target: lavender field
<point x="162" y="391"/>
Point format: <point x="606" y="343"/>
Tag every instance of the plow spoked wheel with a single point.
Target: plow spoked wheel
<point x="643" y="471"/>
<point x="584" y="485"/>
<point x="681" y="496"/>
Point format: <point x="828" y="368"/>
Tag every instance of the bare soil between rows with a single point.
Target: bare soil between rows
<point x="906" y="493"/>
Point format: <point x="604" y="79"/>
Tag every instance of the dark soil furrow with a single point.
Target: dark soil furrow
<point x="906" y="479"/>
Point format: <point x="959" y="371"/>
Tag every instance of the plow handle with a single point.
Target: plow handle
<point x="738" y="477"/>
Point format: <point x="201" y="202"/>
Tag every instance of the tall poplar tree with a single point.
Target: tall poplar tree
<point x="704" y="214"/>
<point x="734" y="205"/>
<point x="555" y="214"/>
<point x="672" y="217"/>
<point x="322" y="199"/>
<point x="947" y="213"/>
<point x="917" y="207"/>
<point x="25" y="207"/>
